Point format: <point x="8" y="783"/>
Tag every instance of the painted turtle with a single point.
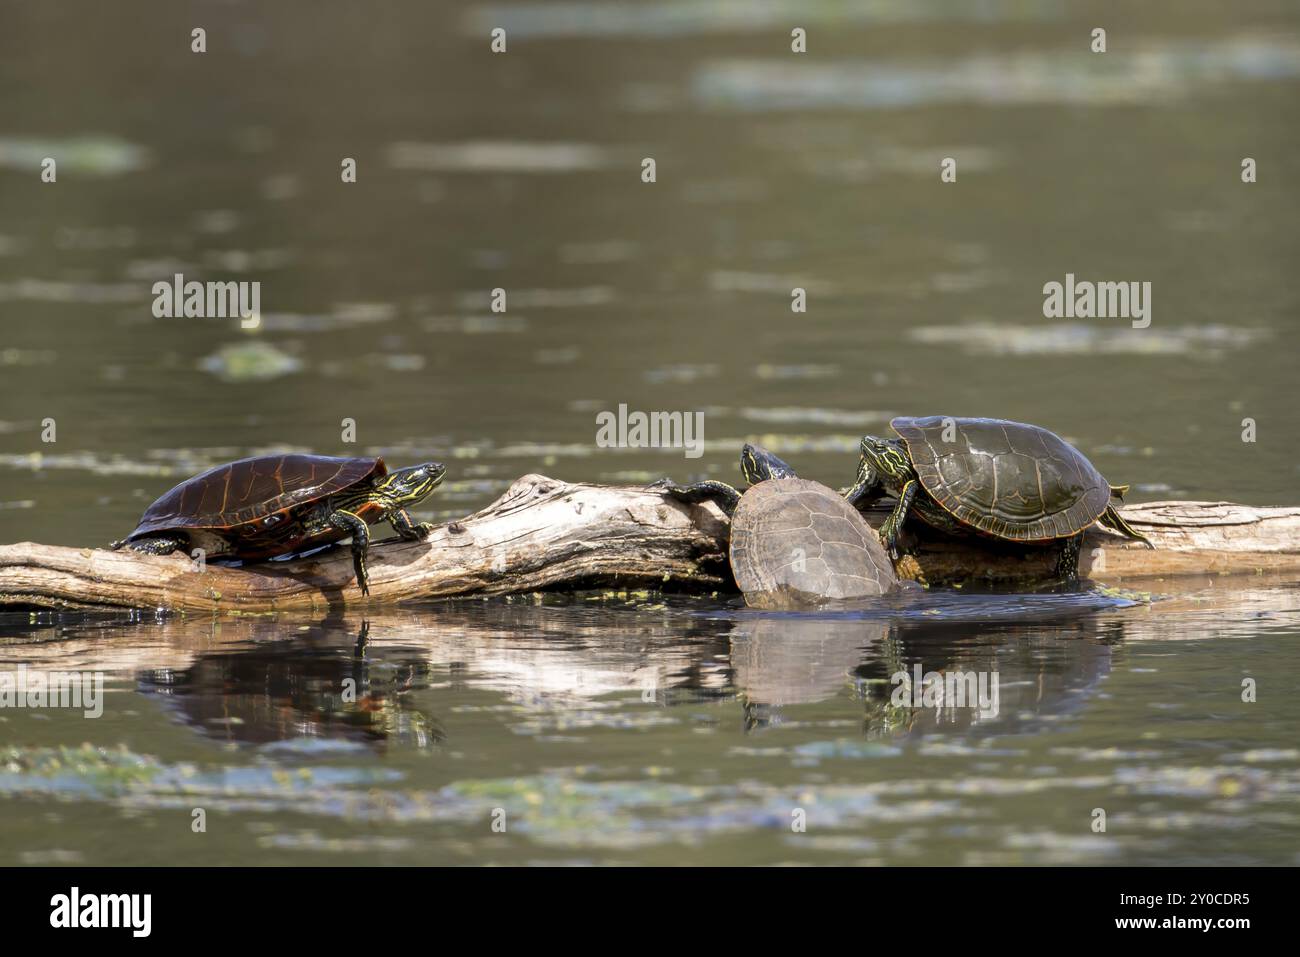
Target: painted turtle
<point x="1004" y="479"/>
<point x="793" y="542"/>
<point x="271" y="505"/>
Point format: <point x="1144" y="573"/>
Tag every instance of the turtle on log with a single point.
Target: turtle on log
<point x="993" y="477"/>
<point x="794" y="543"/>
<point x="271" y="505"/>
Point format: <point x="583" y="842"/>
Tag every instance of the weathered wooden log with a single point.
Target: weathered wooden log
<point x="544" y="533"/>
<point x="1191" y="539"/>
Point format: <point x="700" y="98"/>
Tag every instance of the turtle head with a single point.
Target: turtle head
<point x="758" y="465"/>
<point x="884" y="461"/>
<point x="411" y="485"/>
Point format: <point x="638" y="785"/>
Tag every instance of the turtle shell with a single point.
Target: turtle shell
<point x="227" y="497"/>
<point x="1006" y="479"/>
<point x="795" y="542"/>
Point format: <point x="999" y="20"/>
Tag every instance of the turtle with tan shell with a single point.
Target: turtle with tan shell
<point x="794" y="542"/>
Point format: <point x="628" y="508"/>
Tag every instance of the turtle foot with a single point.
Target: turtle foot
<point x="909" y="569"/>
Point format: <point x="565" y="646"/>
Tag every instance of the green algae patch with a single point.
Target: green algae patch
<point x="81" y="770"/>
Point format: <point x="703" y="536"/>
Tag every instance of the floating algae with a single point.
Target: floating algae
<point x="94" y="155"/>
<point x="250" y="362"/>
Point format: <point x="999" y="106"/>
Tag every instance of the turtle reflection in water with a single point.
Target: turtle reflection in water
<point x="793" y="542"/>
<point x="1001" y="479"/>
<point x="271" y="505"/>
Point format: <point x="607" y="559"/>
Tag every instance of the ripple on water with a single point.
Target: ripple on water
<point x="591" y="18"/>
<point x="1074" y="338"/>
<point x="682" y="372"/>
<point x="542" y="298"/>
<point x="788" y="415"/>
<point x="805" y="370"/>
<point x="1151" y="71"/>
<point x="498" y="156"/>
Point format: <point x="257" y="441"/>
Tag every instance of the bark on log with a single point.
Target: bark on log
<point x="544" y="533"/>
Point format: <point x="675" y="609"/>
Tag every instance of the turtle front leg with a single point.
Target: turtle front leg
<point x="355" y="526"/>
<point x="400" y="519"/>
<point x="723" y="494"/>
<point x="865" y="490"/>
<point x="154" y="545"/>
<point x="893" y="525"/>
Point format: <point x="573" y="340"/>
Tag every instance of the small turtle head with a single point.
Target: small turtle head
<point x="411" y="485"/>
<point x="759" y="465"/>
<point x="885" y="458"/>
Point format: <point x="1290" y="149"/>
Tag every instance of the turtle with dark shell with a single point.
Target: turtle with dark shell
<point x="793" y="542"/>
<point x="258" y="508"/>
<point x="1001" y="479"/>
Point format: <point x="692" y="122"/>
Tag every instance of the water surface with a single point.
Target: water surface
<point x="607" y="730"/>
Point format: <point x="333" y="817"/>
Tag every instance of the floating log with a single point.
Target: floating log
<point x="544" y="534"/>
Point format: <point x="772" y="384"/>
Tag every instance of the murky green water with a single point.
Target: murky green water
<point x="617" y="731"/>
<point x="669" y="733"/>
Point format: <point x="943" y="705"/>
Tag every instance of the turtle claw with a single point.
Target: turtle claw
<point x="890" y="541"/>
<point x="666" y="486"/>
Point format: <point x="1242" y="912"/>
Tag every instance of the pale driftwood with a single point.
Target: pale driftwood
<point x="544" y="533"/>
<point x="1191" y="539"/>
